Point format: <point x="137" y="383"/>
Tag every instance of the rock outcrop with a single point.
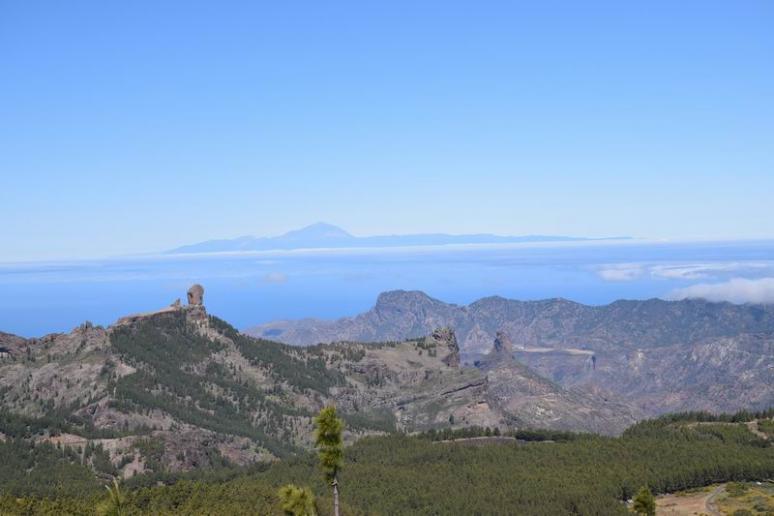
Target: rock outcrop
<point x="445" y="339"/>
<point x="157" y="376"/>
<point x="627" y="349"/>
<point x="502" y="344"/>
<point x="11" y="345"/>
<point x="196" y="295"/>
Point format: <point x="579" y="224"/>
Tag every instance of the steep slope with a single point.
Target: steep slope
<point x="397" y="315"/>
<point x="549" y="323"/>
<point x="656" y="355"/>
<point x="179" y="389"/>
<point x="532" y="399"/>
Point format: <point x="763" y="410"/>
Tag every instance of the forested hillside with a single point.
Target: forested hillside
<point x="194" y="417"/>
<point x="656" y="356"/>
<point x="399" y="474"/>
<point x="179" y="389"/>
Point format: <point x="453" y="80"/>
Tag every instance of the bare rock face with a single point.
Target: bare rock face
<point x="196" y="295"/>
<point x="414" y="385"/>
<point x="536" y="402"/>
<point x="11" y="345"/>
<point x="500" y="354"/>
<point x="502" y="344"/>
<point x="444" y="337"/>
<point x="661" y="356"/>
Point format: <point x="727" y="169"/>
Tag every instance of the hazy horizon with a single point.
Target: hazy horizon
<point x="256" y="287"/>
<point x="130" y="130"/>
<point x="142" y="127"/>
<point x="580" y="238"/>
<point x="201" y="204"/>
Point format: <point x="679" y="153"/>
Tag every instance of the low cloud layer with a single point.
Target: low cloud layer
<point x="736" y="290"/>
<point x="680" y="271"/>
<point x="621" y="272"/>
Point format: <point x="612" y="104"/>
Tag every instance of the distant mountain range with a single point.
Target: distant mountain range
<point x="658" y="355"/>
<point x="178" y="389"/>
<point x="322" y="235"/>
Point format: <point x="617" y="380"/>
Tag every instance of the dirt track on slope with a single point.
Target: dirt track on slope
<point x="702" y="502"/>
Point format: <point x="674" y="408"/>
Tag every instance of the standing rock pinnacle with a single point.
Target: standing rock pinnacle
<point x="196" y="295"/>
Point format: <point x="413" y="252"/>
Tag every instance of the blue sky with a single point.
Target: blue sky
<point x="139" y="126"/>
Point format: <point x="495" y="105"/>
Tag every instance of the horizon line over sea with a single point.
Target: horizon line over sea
<point x="254" y="287"/>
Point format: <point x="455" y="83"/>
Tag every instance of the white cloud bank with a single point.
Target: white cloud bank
<point x="736" y="290"/>
<point x="680" y="271"/>
<point x="621" y="272"/>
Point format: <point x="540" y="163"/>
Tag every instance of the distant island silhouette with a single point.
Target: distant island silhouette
<point x="323" y="235"/>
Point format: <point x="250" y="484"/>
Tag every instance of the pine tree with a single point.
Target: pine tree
<point x="116" y="502"/>
<point x="297" y="501"/>
<point x="330" y="448"/>
<point x="645" y="502"/>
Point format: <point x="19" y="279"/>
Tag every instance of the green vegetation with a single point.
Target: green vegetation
<point x="735" y="489"/>
<point x="400" y="474"/>
<point x="644" y="502"/>
<point x="330" y="448"/>
<point x="297" y="501"/>
<point x="55" y="422"/>
<point x="705" y="417"/>
<point x="300" y="501"/>
<point x="767" y="427"/>
<point x="287" y="364"/>
<point x="115" y="505"/>
<point x="450" y="434"/>
<point x="100" y="460"/>
<point x="748" y="499"/>
<point x="730" y="428"/>
<point x="165" y="349"/>
<point x="152" y="450"/>
<point x="41" y="470"/>
<point x="731" y="432"/>
<point x="382" y="420"/>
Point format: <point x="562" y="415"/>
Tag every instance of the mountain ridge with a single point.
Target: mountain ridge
<point x="177" y="389"/>
<point x="323" y="235"/>
<point x="409" y="303"/>
<point x="628" y="349"/>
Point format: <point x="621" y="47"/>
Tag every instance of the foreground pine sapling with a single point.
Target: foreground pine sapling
<point x="297" y="501"/>
<point x="328" y="442"/>
<point x="644" y="502"/>
<point x="115" y="505"/>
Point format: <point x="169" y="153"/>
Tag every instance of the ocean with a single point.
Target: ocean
<point x="250" y="288"/>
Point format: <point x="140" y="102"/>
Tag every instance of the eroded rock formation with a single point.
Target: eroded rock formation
<point x="445" y="338"/>
<point x="196" y="295"/>
<point x="502" y="344"/>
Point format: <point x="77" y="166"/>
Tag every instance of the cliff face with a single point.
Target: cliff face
<point x="656" y="355"/>
<point x="554" y="323"/>
<point x="178" y="389"/>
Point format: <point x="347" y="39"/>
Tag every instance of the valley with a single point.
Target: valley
<point x="177" y="393"/>
<point x="188" y="385"/>
<point x="658" y="356"/>
<point x="542" y="474"/>
<point x="386" y="258"/>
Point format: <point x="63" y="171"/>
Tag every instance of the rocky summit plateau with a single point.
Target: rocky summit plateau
<point x="177" y="389"/>
<point x="655" y="356"/>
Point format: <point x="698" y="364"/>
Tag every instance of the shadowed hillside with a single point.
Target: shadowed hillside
<point x="178" y="389"/>
<point x="657" y="355"/>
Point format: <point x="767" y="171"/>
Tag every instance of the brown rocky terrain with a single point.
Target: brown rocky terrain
<point x="178" y="389"/>
<point x="656" y="355"/>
